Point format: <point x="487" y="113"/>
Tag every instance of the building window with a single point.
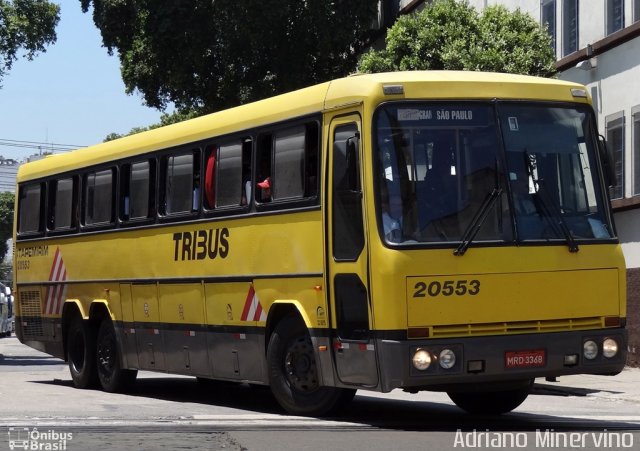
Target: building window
<point x="635" y="114"/>
<point x="615" y="140"/>
<point x="548" y="20"/>
<point x="615" y="16"/>
<point x="636" y="10"/>
<point x="569" y="27"/>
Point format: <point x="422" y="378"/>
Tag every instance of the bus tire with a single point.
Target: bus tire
<point x="81" y="353"/>
<point x="491" y="402"/>
<point x="293" y="374"/>
<point x="113" y="378"/>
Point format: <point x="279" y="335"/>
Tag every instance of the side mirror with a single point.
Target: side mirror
<point x="608" y="162"/>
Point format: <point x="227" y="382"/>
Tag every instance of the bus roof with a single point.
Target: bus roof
<point x="360" y="88"/>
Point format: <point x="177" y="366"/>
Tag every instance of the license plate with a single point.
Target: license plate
<point x="525" y="359"/>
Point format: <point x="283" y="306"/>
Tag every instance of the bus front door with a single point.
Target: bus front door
<point x="353" y="350"/>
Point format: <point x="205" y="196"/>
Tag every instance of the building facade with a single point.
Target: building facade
<point x="8" y="173"/>
<point x="597" y="43"/>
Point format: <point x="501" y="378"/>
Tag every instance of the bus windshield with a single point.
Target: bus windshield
<point x="501" y="172"/>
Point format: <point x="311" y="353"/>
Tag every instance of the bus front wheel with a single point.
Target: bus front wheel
<point x="113" y="378"/>
<point x="293" y="374"/>
<point x="81" y="353"/>
<point x="491" y="402"/>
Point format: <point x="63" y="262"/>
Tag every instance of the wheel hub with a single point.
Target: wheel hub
<point x="300" y="365"/>
<point x="105" y="355"/>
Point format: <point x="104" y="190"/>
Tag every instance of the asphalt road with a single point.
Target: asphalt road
<point x="38" y="403"/>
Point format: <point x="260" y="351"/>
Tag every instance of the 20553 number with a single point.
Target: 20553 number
<point x="446" y="288"/>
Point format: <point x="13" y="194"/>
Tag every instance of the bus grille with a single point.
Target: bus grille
<point x="517" y="327"/>
<point x="31" y="313"/>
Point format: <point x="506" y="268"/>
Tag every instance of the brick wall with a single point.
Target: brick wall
<point x="633" y="316"/>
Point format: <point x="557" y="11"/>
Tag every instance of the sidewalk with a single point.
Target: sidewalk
<point x="624" y="386"/>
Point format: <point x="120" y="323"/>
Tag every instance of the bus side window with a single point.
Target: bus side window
<point x="247" y="187"/>
<point x="209" y="178"/>
<point x="138" y="190"/>
<point x="311" y="160"/>
<point x="229" y="175"/>
<point x="63" y="204"/>
<point x="181" y="183"/>
<point x="289" y="163"/>
<point x="30" y="204"/>
<point x="98" y="197"/>
<point x="264" y="157"/>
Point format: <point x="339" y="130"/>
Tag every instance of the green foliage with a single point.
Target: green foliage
<point x="205" y="55"/>
<point x="7" y="203"/>
<point x="25" y="25"/>
<point x="452" y="35"/>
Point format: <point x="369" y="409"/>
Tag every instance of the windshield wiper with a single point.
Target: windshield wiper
<point x="476" y="223"/>
<point x="545" y="200"/>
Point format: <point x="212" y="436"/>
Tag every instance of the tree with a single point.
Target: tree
<point x="452" y="35"/>
<point x="25" y="25"/>
<point x="206" y="55"/>
<point x="7" y="202"/>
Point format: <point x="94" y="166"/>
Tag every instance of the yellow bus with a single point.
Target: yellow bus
<point x="444" y="231"/>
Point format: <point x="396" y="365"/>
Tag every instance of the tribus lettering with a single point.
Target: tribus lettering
<point x="201" y="244"/>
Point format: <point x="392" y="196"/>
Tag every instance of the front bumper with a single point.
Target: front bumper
<point x="490" y="354"/>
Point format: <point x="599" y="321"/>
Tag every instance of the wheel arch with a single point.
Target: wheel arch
<point x="98" y="310"/>
<point x="280" y="310"/>
<point x="71" y="309"/>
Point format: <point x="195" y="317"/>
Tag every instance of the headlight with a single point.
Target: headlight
<point x="590" y="349"/>
<point x="609" y="348"/>
<point x="421" y="359"/>
<point x="447" y="359"/>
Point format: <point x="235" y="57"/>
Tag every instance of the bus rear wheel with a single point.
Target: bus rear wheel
<point x="491" y="402"/>
<point x="293" y="373"/>
<point x="81" y="353"/>
<point x="113" y="378"/>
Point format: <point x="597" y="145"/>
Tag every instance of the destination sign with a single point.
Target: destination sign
<point x="445" y="115"/>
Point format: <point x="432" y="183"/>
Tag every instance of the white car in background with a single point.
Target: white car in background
<point x="6" y="311"/>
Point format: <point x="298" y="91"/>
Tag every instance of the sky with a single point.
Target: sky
<point x="73" y="94"/>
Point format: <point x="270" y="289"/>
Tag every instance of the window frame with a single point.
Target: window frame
<point x="551" y="27"/>
<point x="567" y="35"/>
<point x="52" y="189"/>
<point x="125" y="191"/>
<point x="610" y="19"/>
<point x="195" y="151"/>
<point x="41" y="207"/>
<point x="312" y="163"/>
<point x="612" y="123"/>
<point x="635" y="150"/>
<point x="85" y="206"/>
